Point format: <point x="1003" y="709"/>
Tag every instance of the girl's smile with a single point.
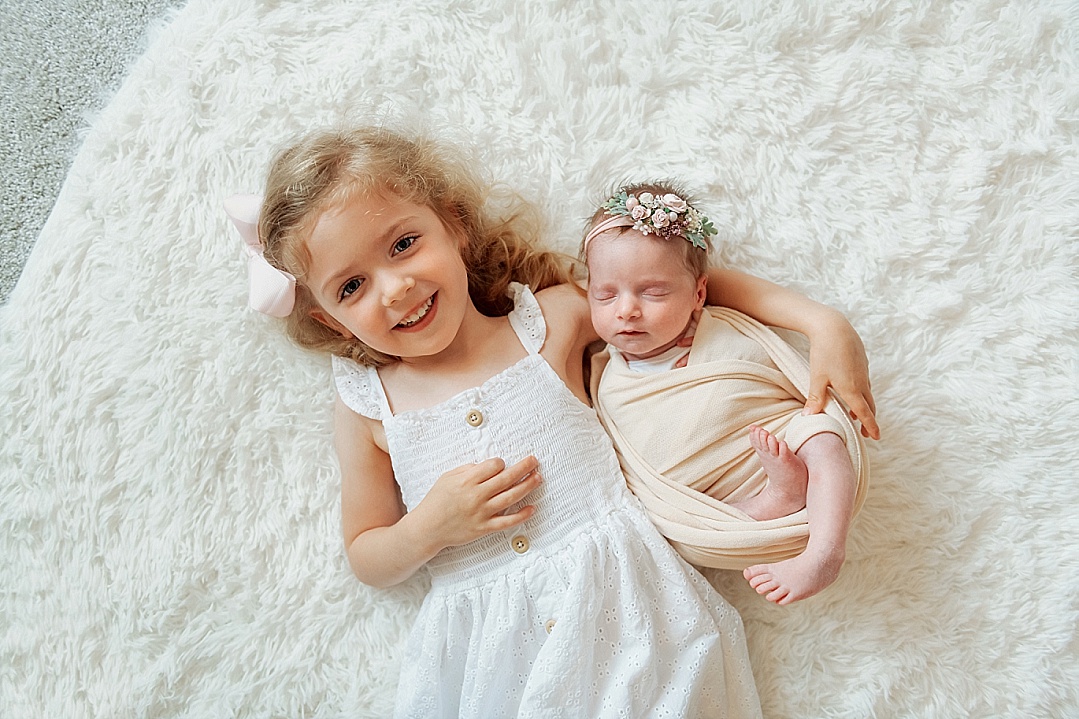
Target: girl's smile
<point x="420" y="318"/>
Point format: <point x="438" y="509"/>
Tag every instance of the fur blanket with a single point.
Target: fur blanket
<point x="169" y="530"/>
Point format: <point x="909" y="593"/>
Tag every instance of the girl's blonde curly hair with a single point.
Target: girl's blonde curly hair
<point x="326" y="168"/>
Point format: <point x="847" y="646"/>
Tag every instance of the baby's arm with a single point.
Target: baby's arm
<point x="837" y="357"/>
<point x="385" y="545"/>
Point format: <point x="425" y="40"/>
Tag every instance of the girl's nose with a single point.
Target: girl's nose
<point x="395" y="288"/>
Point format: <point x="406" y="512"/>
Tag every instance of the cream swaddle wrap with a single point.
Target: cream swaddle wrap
<point x="682" y="438"/>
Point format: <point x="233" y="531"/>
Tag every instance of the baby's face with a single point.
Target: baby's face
<point x="640" y="292"/>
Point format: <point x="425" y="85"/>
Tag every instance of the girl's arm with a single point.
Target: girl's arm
<point x="386" y="545"/>
<point x="837" y="357"/>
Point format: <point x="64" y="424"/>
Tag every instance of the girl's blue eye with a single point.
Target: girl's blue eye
<point x="403" y="244"/>
<point x="350" y="287"/>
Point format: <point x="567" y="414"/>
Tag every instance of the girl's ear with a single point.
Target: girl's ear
<point x="702" y="292"/>
<point x="458" y="232"/>
<point x="322" y="317"/>
<point x="453" y="222"/>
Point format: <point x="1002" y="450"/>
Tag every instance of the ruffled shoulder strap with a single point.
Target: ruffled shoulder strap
<point x="527" y="318"/>
<point x="359" y="388"/>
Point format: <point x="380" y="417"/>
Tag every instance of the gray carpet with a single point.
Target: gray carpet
<point x="60" y="62"/>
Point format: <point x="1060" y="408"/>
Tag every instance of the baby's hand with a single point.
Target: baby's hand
<point x="468" y="502"/>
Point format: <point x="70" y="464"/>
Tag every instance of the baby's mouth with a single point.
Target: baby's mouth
<point x="419" y="314"/>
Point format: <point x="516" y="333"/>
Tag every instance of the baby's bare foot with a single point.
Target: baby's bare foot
<point x="796" y="578"/>
<point x="787" y="473"/>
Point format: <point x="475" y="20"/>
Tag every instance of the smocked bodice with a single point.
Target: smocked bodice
<point x="524" y="409"/>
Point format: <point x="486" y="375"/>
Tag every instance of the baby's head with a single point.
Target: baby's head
<point x="647" y="255"/>
<point x="331" y="176"/>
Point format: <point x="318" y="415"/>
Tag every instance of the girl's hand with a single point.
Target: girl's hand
<point x="468" y="502"/>
<point x="836" y="354"/>
<point x="837" y="359"/>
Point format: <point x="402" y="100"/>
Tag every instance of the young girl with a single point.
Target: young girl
<point x="466" y="446"/>
<point x="709" y="488"/>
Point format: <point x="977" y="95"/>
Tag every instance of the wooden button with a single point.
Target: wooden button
<point x="474" y="417"/>
<point x="520" y="544"/>
<point x="549" y="625"/>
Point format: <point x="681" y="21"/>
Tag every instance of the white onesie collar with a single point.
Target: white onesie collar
<point x="654" y="365"/>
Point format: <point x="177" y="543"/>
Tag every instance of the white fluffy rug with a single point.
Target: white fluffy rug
<point x="168" y="500"/>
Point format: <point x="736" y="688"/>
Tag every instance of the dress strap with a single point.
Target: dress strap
<point x="360" y="388"/>
<point x="526" y="319"/>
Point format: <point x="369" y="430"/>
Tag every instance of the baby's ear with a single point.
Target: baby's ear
<point x="702" y="292"/>
<point x="322" y="317"/>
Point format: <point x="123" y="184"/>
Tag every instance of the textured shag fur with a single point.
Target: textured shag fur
<point x="169" y="530"/>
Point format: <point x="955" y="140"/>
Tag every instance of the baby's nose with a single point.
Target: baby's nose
<point x="628" y="308"/>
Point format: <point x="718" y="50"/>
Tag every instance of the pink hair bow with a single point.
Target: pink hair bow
<point x="271" y="291"/>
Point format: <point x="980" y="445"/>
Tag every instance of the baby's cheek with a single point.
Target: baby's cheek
<point x="602" y="324"/>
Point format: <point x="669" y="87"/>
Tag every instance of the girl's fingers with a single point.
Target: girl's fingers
<point x="488" y="468"/>
<point x="504" y="521"/>
<point x="814" y="402"/>
<point x="862" y="410"/>
<point x="517" y="492"/>
<point x="870" y="428"/>
<point x="509" y="477"/>
<point x="861" y="405"/>
<point x="504" y="477"/>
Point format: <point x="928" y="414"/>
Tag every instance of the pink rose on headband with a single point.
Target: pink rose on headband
<point x="660" y="219"/>
<point x="636" y="210"/>
<point x="675" y="202"/>
<point x="646" y="198"/>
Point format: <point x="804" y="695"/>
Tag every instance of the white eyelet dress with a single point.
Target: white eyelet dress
<point x="582" y="611"/>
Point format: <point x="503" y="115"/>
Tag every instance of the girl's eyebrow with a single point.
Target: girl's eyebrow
<point x="386" y="236"/>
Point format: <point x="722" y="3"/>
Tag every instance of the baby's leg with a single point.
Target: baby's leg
<point x="829" y="503"/>
<point x="785" y="492"/>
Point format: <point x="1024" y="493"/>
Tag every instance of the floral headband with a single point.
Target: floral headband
<point x="667" y="216"/>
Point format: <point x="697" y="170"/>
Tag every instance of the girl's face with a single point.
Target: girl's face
<point x="640" y="293"/>
<point x="389" y="273"/>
